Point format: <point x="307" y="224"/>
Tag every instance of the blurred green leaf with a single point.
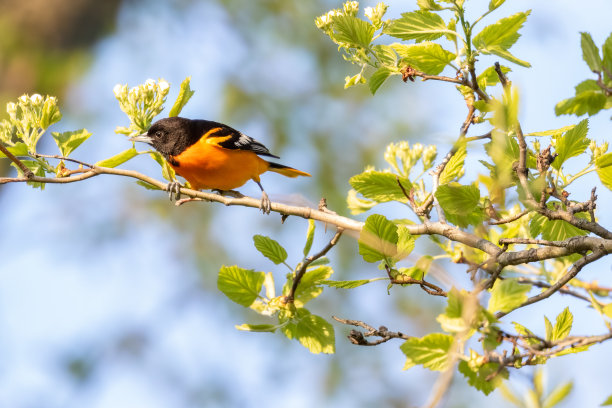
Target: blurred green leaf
<point x="507" y="295"/>
<point x="168" y="172"/>
<point x="68" y="141"/>
<point x="240" y="285"/>
<point x="493" y="4"/>
<point x="432" y="351"/>
<point x="558" y="395"/>
<point x="310" y="285"/>
<point x="309" y="237"/>
<point x="573" y="143"/>
<point x="607" y="57"/>
<point x="480" y="379"/>
<point x="457" y="199"/>
<point x="185" y="93"/>
<point x="589" y="102"/>
<point x="347" y="284"/>
<point x="563" y="325"/>
<point x="379" y="77"/>
<point x="489" y="76"/>
<point x="118" y="159"/>
<point x="265" y="328"/>
<point x="590" y="52"/>
<point x="270" y="249"/>
<point x="19" y="149"/>
<point x="554" y="230"/>
<point x="607" y="402"/>
<point x="405" y="243"/>
<point x="316" y="334"/>
<point x="497" y="38"/>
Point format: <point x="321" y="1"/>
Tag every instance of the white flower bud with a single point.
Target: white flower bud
<point x="24" y="99"/>
<point x="36" y="99"/>
<point x="164" y="86"/>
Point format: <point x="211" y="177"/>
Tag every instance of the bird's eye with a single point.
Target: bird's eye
<point x="158" y="134"/>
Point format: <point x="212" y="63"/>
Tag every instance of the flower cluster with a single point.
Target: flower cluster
<point x="403" y="158"/>
<point x="141" y="103"/>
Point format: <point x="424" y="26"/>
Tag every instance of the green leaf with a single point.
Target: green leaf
<point x="589" y="102"/>
<point x="316" y="334"/>
<point x="68" y="141"/>
<point x="380" y="76"/>
<point x="378" y="239"/>
<point x="265" y="328"/>
<point x="50" y="113"/>
<point x="573" y="143"/>
<point x="428" y="5"/>
<point x="523" y="331"/>
<point x="428" y="57"/>
<point x="480" y="379"/>
<point x="118" y="159"/>
<point x="420" y="268"/>
<point x="493" y="4"/>
<point x="507" y="55"/>
<point x="563" y="325"/>
<point x="552" y="132"/>
<point x="270" y="249"/>
<point x="501" y="35"/>
<point x="590" y="52"/>
<point x="457" y="199"/>
<point x="147" y="185"/>
<point x="548" y="327"/>
<point x="607" y="402"/>
<point x="168" y="172"/>
<point x="432" y="351"/>
<point x="240" y="285"/>
<point x="380" y="186"/>
<point x="558" y="395"/>
<point x="405" y="243"/>
<point x="507" y="295"/>
<point x="309" y="237"/>
<point x="454" y="168"/>
<point x="185" y="93"/>
<point x="489" y="76"/>
<point x="19" y="149"/>
<point x="554" y="230"/>
<point x="310" y="285"/>
<point x="607" y="57"/>
<point x="352" y="30"/>
<point x="385" y="55"/>
<point x="419" y="26"/>
<point x="348" y="284"/>
<point x="36" y="168"/>
<point x="453" y="320"/>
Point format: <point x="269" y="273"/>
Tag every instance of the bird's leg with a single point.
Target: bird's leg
<point x="265" y="205"/>
<point x="174" y="190"/>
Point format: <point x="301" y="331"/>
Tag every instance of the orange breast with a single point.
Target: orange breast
<point x="207" y="166"/>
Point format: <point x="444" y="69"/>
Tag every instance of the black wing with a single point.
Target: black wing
<point x="229" y="138"/>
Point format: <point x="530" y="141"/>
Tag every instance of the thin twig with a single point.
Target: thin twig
<point x="359" y="338"/>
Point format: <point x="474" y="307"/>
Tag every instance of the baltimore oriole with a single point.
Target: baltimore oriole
<point x="211" y="155"/>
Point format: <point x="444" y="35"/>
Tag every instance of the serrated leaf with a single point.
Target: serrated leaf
<point x="548" y="328"/>
<point x="270" y="249"/>
<point x="380" y="186"/>
<point x="523" y="331"/>
<point x="428" y="57"/>
<point x="489" y="76"/>
<point x="607" y="57"/>
<point x="316" y="334"/>
<point x="457" y="199"/>
<point x="378" y="239"/>
<point x="590" y="52"/>
<point x="500" y="35"/>
<point x="454" y="168"/>
<point x="558" y="395"/>
<point x="589" y="102"/>
<point x="240" y="285"/>
<point x="480" y="379"/>
<point x="118" y="159"/>
<point x="265" y="328"/>
<point x="385" y="54"/>
<point x="428" y="5"/>
<point x="573" y="143"/>
<point x="554" y="230"/>
<point x="507" y="295"/>
<point x="563" y="325"/>
<point x="431" y="351"/>
<point x="493" y="4"/>
<point x="185" y="93"/>
<point x="352" y="30"/>
<point x="419" y="26"/>
<point x="379" y="77"/>
<point x="347" y="284"/>
<point x="552" y="132"/>
<point x="68" y="141"/>
<point x="507" y="55"/>
<point x="309" y="237"/>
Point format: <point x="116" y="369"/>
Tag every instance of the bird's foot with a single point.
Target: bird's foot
<point x="174" y="190"/>
<point x="265" y="205"/>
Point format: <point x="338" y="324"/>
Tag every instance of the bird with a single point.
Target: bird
<point x="212" y="155"/>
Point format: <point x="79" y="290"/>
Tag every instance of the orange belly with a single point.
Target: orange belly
<point x="206" y="166"/>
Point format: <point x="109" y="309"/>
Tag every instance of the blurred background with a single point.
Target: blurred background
<point x="108" y="292"/>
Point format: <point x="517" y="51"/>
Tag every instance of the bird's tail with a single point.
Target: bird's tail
<point x="286" y="170"/>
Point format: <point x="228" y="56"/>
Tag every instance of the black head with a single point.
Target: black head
<point x="170" y="136"/>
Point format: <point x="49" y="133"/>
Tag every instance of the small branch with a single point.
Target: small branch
<point x="24" y="169"/>
<point x="359" y="338"/>
<point x="481" y="137"/>
<point x="548" y="285"/>
<point x="300" y="272"/>
<point x="573" y="271"/>
<point x="529" y="241"/>
<point x="55" y="156"/>
<point x="509" y="219"/>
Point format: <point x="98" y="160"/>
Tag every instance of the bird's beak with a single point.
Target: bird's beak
<point x="145" y="138"/>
